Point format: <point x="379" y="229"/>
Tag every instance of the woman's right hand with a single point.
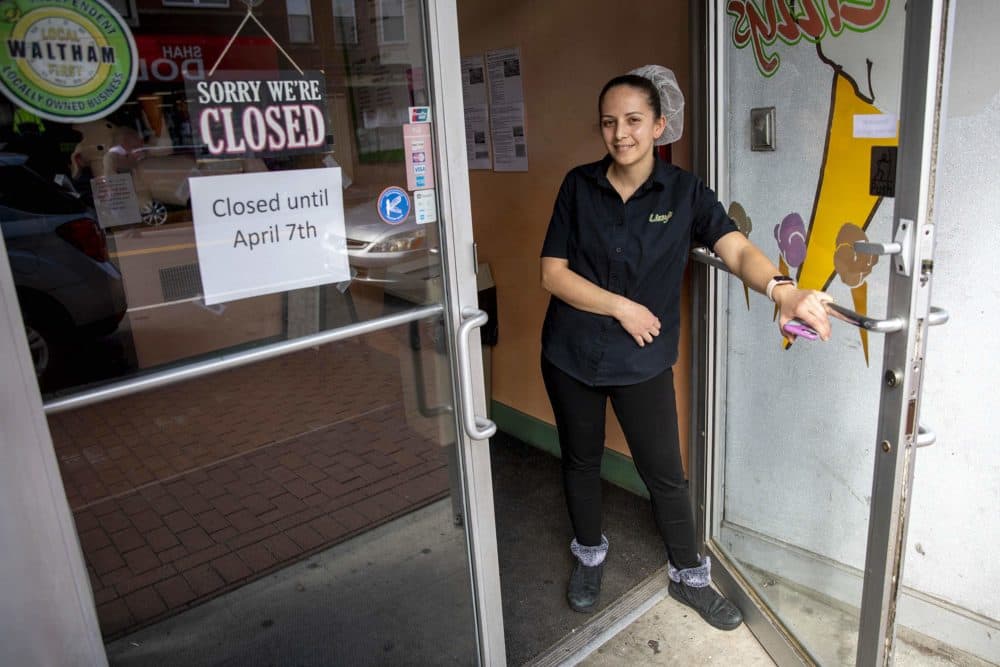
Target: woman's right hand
<point x="638" y="321"/>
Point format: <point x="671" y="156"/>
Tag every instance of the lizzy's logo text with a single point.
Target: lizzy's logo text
<point x="791" y="20"/>
<point x="661" y="217"/>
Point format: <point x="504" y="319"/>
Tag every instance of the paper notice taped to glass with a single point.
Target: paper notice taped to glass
<point x="262" y="233"/>
<point x="115" y="201"/>
<point x="875" y="126"/>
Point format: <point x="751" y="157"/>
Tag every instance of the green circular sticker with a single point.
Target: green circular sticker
<point x="65" y="60"/>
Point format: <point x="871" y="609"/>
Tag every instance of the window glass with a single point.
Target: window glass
<point x="196" y="3"/>
<point x="135" y="171"/>
<point x="329" y="475"/>
<point x="27" y="192"/>
<point x="346" y="21"/>
<point x="393" y="21"/>
<point x="300" y="28"/>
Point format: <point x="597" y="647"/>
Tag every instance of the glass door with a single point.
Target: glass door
<point x="247" y="281"/>
<point x="823" y="131"/>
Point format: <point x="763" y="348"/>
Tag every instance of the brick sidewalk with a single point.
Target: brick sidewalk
<point x="183" y="493"/>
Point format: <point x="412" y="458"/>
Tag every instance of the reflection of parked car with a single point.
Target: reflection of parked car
<point x="58" y="255"/>
<point x="160" y="172"/>
<point x="402" y="258"/>
<point x="374" y="244"/>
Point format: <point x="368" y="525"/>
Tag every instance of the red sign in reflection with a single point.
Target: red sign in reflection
<point x="169" y="58"/>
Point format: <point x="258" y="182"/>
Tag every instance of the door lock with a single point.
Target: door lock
<point x="893" y="378"/>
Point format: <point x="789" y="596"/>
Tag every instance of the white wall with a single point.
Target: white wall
<point x="955" y="520"/>
<point x="800" y="424"/>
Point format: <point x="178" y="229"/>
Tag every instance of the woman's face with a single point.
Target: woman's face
<point x="628" y="125"/>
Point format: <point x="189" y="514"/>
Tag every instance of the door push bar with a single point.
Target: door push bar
<point x="478" y="428"/>
<point x="936" y="317"/>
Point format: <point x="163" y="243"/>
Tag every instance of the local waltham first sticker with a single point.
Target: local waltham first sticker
<point x="66" y="60"/>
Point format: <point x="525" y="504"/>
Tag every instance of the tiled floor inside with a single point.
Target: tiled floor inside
<point x="182" y="493"/>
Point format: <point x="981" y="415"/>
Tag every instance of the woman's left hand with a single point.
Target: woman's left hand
<point x="805" y="305"/>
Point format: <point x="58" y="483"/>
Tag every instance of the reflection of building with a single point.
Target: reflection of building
<point x="371" y="53"/>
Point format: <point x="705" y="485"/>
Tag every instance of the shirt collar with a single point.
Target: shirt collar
<point x="598" y="172"/>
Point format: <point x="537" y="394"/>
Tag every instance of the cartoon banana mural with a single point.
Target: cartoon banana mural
<point x="843" y="194"/>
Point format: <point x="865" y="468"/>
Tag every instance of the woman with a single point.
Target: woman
<point x="613" y="260"/>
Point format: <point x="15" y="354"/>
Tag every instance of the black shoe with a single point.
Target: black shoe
<point x="715" y="609"/>
<point x="584" y="587"/>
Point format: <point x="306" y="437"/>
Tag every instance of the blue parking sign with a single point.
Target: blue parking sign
<point x="393" y="205"/>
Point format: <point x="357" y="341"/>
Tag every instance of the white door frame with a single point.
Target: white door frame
<point x="462" y="295"/>
<point x="42" y="573"/>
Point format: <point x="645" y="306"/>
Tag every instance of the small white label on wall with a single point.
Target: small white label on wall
<point x="875" y="126"/>
<point x="425" y="206"/>
<point x="269" y="232"/>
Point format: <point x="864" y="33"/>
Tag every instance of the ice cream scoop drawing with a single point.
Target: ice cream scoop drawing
<point x="853" y="269"/>
<point x="790" y="234"/>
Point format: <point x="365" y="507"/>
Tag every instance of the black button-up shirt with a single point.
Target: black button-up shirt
<point x="637" y="249"/>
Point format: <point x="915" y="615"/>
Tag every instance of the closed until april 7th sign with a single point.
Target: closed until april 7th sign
<point x="262" y="233"/>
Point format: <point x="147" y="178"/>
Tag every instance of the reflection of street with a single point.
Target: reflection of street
<point x="182" y="493"/>
<point x="167" y="321"/>
<point x="89" y="360"/>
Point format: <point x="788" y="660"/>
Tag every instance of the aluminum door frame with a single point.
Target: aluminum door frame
<point x="33" y="482"/>
<point x="462" y="296"/>
<point x="926" y="60"/>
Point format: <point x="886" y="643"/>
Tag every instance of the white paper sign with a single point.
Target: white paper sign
<point x="268" y="232"/>
<point x="114" y="200"/>
<point x="477" y="119"/>
<point x="477" y="137"/>
<point x="875" y="126"/>
<point x="510" y="142"/>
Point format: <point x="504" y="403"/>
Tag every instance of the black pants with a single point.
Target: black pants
<point x="648" y="416"/>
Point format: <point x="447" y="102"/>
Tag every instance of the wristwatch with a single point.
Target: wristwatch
<point x="778" y="280"/>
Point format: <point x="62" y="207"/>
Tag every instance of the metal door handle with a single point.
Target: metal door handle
<point x="478" y="428"/>
<point x="418" y="376"/>
<point x="890" y="325"/>
<point x="902" y="246"/>
<point x="925" y="437"/>
<point x="937" y="317"/>
<point x="868" y="248"/>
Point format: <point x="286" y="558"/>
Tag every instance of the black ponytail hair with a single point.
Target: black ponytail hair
<point x="638" y="82"/>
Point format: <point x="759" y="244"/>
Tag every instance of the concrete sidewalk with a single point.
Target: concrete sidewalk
<point x="384" y="598"/>
<point x="668" y="633"/>
<point x="671" y="634"/>
<point x="647" y="627"/>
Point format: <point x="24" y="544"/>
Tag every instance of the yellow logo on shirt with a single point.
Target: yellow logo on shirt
<point x="661" y="217"/>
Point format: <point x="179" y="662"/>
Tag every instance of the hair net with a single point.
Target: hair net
<point x="671" y="100"/>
